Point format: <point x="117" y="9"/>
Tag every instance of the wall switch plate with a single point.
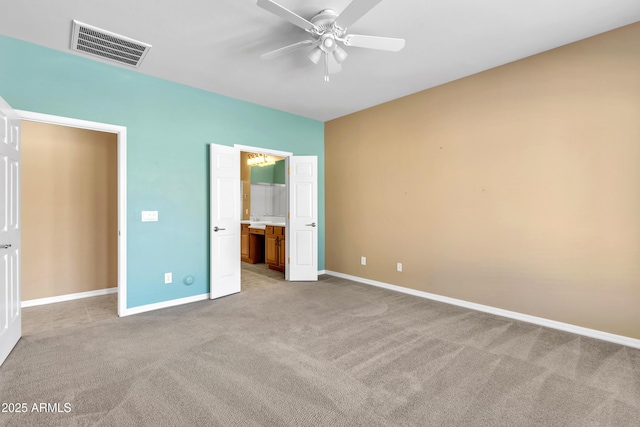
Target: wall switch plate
<point x="399" y="266"/>
<point x="363" y="260"/>
<point x="168" y="278"/>
<point x="149" y="216"/>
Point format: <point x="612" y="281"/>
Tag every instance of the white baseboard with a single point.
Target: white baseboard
<point x="68" y="297"/>
<point x="164" y="304"/>
<point x="592" y="333"/>
<point x="322" y="272"/>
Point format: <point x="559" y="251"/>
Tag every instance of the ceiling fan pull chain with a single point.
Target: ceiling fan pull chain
<point x="326" y="67"/>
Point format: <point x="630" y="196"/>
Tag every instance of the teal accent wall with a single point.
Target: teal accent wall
<point x="273" y="174"/>
<point x="169" y="127"/>
<point x="262" y="174"/>
<point x="278" y="172"/>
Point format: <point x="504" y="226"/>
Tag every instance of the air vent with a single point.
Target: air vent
<point x="107" y="45"/>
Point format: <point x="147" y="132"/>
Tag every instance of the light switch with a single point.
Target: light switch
<point x="149" y="216"/>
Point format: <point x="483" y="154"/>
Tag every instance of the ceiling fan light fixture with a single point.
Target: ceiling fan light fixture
<point x="315" y="55"/>
<point x="339" y="54"/>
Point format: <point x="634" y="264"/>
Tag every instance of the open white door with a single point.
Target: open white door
<point x="225" y="220"/>
<point x="302" y="225"/>
<point x="10" y="314"/>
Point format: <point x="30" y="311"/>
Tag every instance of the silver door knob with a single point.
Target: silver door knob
<point x="313" y="224"/>
<point x="218" y="229"/>
<point x="7" y="246"/>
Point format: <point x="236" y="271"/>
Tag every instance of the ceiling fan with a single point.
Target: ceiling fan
<point x="326" y="29"/>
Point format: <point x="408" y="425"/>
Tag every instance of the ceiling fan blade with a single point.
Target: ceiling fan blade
<point x="287" y="49"/>
<point x="372" y="42"/>
<point x="286" y="14"/>
<point x="356" y="10"/>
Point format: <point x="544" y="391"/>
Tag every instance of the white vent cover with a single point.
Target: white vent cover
<point x="107" y="45"/>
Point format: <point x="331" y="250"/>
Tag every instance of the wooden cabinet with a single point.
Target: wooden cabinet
<point x="244" y="242"/>
<point x="271" y="249"/>
<point x="251" y="244"/>
<point x="275" y="247"/>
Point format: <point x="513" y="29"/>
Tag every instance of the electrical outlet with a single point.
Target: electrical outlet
<point x="168" y="278"/>
<point x="363" y="260"/>
<point x="399" y="266"/>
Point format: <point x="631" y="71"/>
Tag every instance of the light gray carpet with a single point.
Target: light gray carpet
<point x="331" y="353"/>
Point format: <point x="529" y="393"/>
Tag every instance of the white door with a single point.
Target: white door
<point x="10" y="320"/>
<point x="224" y="164"/>
<point x="301" y="240"/>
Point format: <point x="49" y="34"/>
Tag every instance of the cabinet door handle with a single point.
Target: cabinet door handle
<point x="313" y="224"/>
<point x="218" y="229"/>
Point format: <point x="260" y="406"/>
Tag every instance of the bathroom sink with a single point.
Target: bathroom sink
<point x="259" y="224"/>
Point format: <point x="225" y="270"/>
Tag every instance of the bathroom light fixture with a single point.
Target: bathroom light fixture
<point x="256" y="159"/>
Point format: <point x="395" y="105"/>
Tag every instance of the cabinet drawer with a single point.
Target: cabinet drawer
<point x="256" y="231"/>
<point x="278" y="231"/>
<point x="269" y="229"/>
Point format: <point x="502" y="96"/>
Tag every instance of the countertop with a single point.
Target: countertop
<point x="261" y="225"/>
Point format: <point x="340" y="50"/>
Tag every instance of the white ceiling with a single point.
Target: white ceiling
<point x="216" y="44"/>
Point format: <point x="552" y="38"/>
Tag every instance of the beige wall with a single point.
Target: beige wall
<point x="69" y="210"/>
<point x="518" y="188"/>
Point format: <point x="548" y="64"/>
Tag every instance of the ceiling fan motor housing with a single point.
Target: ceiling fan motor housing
<point x="324" y="20"/>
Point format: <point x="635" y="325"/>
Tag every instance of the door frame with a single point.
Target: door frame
<point x="121" y="133"/>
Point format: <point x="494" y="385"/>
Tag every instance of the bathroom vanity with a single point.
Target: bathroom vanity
<point x="263" y="242"/>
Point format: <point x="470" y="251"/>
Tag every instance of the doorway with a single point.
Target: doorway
<point x="117" y="225"/>
<point x="263" y="213"/>
<point x="260" y="213"/>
